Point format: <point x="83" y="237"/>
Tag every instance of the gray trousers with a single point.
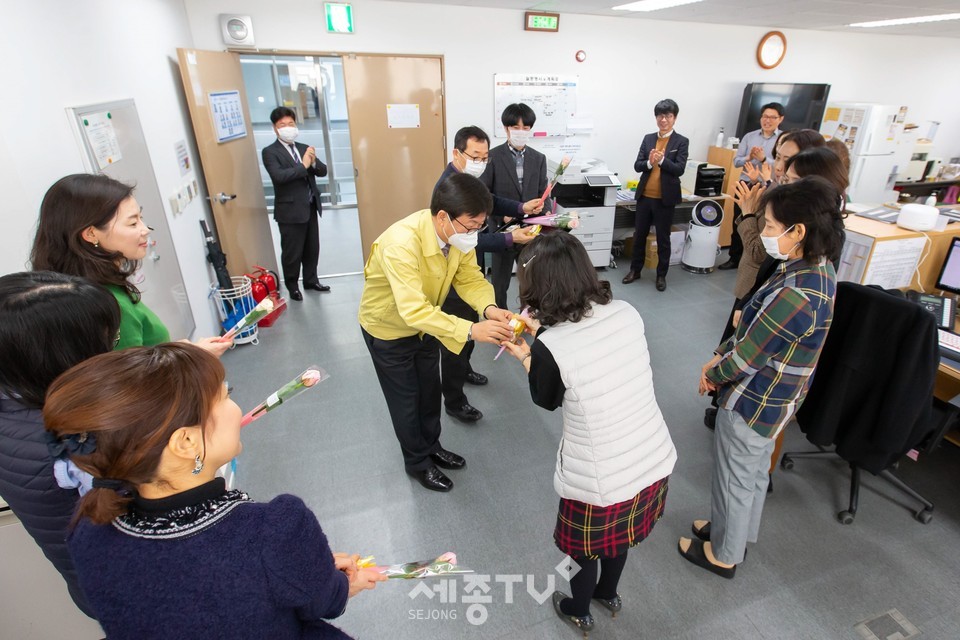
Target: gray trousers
<point x="740" y="478"/>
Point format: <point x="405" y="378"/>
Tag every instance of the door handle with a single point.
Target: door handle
<point x="223" y="197"/>
<point x="356" y="174"/>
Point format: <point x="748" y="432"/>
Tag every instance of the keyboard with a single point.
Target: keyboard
<point x="949" y="344"/>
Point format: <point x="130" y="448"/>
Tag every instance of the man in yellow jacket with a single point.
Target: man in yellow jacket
<point x="411" y="268"/>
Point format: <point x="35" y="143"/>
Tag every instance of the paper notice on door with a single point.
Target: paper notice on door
<point x="403" y="116"/>
<point x="102" y="138"/>
<point x="893" y="262"/>
<point x="227" y="111"/>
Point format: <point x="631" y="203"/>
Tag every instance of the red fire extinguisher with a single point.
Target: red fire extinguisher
<point x="263" y="282"/>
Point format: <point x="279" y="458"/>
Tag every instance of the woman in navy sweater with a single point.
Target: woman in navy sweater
<point x="162" y="549"/>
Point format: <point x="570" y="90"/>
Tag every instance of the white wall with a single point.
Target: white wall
<point x="64" y="54"/>
<point x="630" y="64"/>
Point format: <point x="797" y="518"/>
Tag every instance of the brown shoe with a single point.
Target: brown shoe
<point x="631" y="276"/>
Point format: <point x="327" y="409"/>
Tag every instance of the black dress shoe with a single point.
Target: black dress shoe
<point x="448" y="459"/>
<point x="465" y="412"/>
<point x="296" y="295"/>
<point x="661" y="283"/>
<point x="477" y="378"/>
<point x="433" y="479"/>
<point x="631" y="276"/>
<point x="729" y="264"/>
<point x="316" y="286"/>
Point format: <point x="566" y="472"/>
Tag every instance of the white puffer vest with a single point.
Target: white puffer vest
<point x="615" y="442"/>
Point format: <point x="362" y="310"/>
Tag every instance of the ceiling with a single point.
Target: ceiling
<point x="819" y="15"/>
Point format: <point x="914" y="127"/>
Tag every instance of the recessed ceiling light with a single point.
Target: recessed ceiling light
<point x="901" y="21"/>
<point x="653" y="5"/>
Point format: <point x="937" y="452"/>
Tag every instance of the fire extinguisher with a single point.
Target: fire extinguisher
<point x="262" y="283"/>
<point x="268" y="278"/>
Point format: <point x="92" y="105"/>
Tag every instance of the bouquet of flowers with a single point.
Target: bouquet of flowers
<point x="518" y="324"/>
<point x="566" y="220"/>
<point x="309" y="378"/>
<point x="267" y="306"/>
<point x="445" y="565"/>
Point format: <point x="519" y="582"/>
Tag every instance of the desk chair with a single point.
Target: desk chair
<point x="871" y="398"/>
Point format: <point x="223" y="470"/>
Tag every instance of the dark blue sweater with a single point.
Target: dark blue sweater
<point x="211" y="563"/>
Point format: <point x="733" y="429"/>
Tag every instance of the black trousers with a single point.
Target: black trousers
<point x="300" y="245"/>
<point x="502" y="269"/>
<point x="651" y="211"/>
<point x="409" y="373"/>
<point x="454" y="367"/>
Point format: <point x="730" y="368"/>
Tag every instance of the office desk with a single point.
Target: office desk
<point x="625" y="215"/>
<point x="940" y="243"/>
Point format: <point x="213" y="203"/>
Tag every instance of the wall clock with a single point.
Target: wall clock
<point x="771" y="50"/>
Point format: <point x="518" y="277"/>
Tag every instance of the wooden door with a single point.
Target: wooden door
<point x="231" y="165"/>
<point x="396" y="167"/>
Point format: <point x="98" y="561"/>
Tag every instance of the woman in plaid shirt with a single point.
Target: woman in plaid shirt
<point x="762" y="373"/>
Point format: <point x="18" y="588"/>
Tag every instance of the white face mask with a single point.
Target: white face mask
<point x="772" y="245"/>
<point x="519" y="137"/>
<point x="462" y="242"/>
<point x="288" y="134"/>
<point x="474" y="168"/>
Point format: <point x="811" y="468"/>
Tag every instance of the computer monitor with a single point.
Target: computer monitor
<point x="949" y="279"/>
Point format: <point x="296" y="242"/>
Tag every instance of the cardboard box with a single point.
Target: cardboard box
<point x="678" y="236"/>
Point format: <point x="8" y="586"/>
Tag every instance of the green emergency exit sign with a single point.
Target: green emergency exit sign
<point x="339" y="17"/>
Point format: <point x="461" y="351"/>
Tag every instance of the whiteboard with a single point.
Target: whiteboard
<point x="113" y="144"/>
<point x="552" y="97"/>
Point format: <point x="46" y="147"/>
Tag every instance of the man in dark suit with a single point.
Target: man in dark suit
<point x="517" y="172"/>
<point x="294" y="168"/>
<point x="470" y="155"/>
<point x="660" y="163"/>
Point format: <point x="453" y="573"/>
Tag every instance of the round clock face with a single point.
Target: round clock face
<point x="581" y="55"/>
<point x="238" y="30"/>
<point x="771" y="50"/>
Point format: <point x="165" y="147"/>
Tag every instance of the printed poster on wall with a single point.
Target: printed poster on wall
<point x="102" y="138"/>
<point x="227" y="111"/>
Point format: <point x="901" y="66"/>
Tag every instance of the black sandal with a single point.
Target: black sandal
<point x="698" y="556"/>
<point x="703" y="532"/>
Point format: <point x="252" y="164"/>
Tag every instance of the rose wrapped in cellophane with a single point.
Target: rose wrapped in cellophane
<point x="445" y="565"/>
<point x="309" y="378"/>
<point x="258" y="313"/>
<point x="565" y="220"/>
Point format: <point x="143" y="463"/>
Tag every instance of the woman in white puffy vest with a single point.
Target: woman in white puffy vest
<point x="590" y="358"/>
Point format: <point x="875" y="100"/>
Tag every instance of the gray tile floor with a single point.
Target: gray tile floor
<point x="809" y="577"/>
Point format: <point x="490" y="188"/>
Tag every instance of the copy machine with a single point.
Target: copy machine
<point x="589" y="188"/>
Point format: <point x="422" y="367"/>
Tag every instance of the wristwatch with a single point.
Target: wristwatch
<point x="470" y="333"/>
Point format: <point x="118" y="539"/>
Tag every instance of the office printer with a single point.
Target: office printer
<point x="702" y="179"/>
<point x="588" y="187"/>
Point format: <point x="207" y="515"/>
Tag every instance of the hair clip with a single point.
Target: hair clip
<point x="529" y="261"/>
<point x="79" y="444"/>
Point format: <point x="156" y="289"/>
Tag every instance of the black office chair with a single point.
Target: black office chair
<point x="871" y="397"/>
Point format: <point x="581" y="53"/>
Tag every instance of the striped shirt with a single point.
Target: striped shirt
<point x="518" y="158"/>
<point x="767" y="366"/>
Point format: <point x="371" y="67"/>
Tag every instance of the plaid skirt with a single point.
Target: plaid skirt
<point x="587" y="531"/>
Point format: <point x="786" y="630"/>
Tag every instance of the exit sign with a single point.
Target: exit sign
<point x="536" y="21"/>
<point x="339" y="17"/>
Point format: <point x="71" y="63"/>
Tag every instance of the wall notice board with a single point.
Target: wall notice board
<point x="552" y="97"/>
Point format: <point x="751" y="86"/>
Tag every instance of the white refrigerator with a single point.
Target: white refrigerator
<point x="871" y="133"/>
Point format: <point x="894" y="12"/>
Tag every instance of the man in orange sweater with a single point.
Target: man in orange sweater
<point x="660" y="163"/>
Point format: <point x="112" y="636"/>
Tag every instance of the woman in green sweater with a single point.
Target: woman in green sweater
<point x="91" y="226"/>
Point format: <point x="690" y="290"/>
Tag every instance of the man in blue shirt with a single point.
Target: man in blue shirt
<point x="757" y="147"/>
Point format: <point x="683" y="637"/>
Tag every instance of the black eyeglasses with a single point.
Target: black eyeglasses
<point x="468" y="229"/>
<point x="469" y="157"/>
<point x="116" y="340"/>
